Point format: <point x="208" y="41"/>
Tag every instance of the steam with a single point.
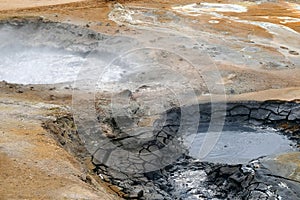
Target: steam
<point x="38" y="65"/>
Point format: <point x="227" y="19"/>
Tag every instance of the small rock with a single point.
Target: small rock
<point x="52" y="97"/>
<point x="83" y="177"/>
<point x="295" y="53"/>
<point x="283" y="47"/>
<point x="88" y="179"/>
<point x="20" y="91"/>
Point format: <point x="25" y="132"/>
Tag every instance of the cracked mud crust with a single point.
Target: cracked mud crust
<point x="221" y="181"/>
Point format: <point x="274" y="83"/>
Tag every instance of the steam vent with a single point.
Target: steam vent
<point x="150" y="100"/>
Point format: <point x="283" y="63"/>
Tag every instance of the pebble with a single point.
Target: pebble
<point x="20" y="91"/>
<point x="295" y="53"/>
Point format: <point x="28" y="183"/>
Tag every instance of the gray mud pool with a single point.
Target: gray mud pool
<point x="241" y="145"/>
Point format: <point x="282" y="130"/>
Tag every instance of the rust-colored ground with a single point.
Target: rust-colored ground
<point x="93" y="12"/>
<point x="32" y="164"/>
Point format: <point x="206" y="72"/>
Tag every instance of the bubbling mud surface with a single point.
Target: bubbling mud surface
<point x="34" y="51"/>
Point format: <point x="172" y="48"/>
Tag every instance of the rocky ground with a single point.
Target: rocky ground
<point x="243" y="53"/>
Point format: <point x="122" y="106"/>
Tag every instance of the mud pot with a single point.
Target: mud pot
<point x="125" y="111"/>
<point x="242" y="167"/>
